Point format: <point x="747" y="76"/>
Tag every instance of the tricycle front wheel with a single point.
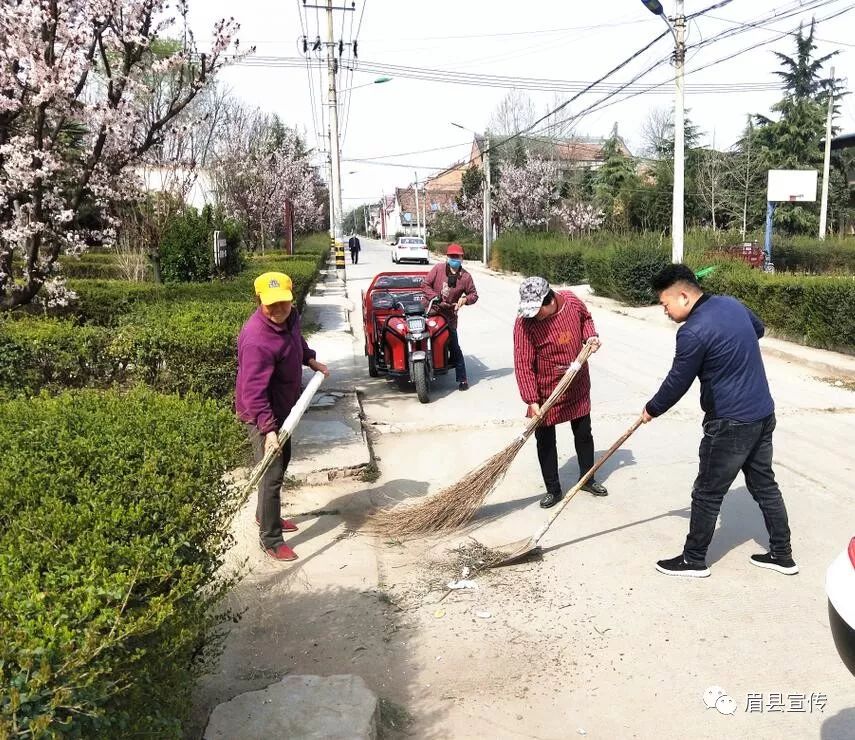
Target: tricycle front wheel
<point x="421" y="378"/>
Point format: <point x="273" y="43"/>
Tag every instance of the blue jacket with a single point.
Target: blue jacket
<point x="718" y="344"/>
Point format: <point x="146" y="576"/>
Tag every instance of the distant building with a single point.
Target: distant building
<point x="195" y="186"/>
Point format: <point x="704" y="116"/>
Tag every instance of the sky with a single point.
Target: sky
<point x="562" y="41"/>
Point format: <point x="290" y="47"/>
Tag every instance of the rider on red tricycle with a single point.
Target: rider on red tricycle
<point x="404" y="338"/>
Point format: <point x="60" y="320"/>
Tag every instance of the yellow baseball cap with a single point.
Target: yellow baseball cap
<point x="273" y="287"/>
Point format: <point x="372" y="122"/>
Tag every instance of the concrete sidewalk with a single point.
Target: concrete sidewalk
<point x="302" y="617"/>
<point x="330" y="442"/>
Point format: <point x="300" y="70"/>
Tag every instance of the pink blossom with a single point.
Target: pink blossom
<point x="76" y="116"/>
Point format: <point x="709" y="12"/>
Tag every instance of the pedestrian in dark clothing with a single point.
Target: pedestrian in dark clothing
<point x="271" y="354"/>
<point x="355" y="248"/>
<point x="455" y="288"/>
<point x="548" y="336"/>
<point x="718" y="343"/>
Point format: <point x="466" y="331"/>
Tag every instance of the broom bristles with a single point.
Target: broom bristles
<point x="455" y="505"/>
<point x="451" y="507"/>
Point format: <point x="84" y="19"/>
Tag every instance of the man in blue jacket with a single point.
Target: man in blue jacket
<point x="718" y="343"/>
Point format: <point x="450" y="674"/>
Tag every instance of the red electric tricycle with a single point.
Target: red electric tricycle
<point x="404" y="339"/>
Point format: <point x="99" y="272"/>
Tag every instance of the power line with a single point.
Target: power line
<point x="632" y="57"/>
<point x="348" y="77"/>
<point x="707" y="10"/>
<point x="767" y="28"/>
<point x="420" y="151"/>
<point x="601" y="104"/>
<point x="504" y="82"/>
<point x="312" y="102"/>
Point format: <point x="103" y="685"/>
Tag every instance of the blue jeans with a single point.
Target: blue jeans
<point x="728" y="447"/>
<point x="457" y="359"/>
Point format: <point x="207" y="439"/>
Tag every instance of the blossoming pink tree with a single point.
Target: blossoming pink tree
<point x="260" y="166"/>
<point x="76" y="116"/>
<point x="528" y="193"/>
<point x="579" y="218"/>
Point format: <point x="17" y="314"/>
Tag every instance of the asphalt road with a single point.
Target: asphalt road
<point x="592" y="638"/>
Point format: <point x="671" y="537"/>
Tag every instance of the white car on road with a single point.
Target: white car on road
<point x="840" y="588"/>
<point x="410" y="249"/>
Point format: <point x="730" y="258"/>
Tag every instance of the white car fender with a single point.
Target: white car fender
<point x="840" y="587"/>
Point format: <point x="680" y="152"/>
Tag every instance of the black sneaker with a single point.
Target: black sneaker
<point x="679" y="567"/>
<point x="550" y="499"/>
<point x="463" y="386"/>
<point x="596" y="489"/>
<point x="787" y="566"/>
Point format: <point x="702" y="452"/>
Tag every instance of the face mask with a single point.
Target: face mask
<point x="455" y="264"/>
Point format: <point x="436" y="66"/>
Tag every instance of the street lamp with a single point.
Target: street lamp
<point x="487" y="223"/>
<point x="378" y="81"/>
<point x="678" y="31"/>
<point x="654" y="6"/>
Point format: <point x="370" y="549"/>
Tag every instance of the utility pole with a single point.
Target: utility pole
<point x="747" y="178"/>
<point x="424" y="212"/>
<point x="678" y="31"/>
<point x="826" y="169"/>
<point x="488" y="213"/>
<point x="332" y="68"/>
<point x="418" y="213"/>
<point x="678" y="217"/>
<point x="330" y="189"/>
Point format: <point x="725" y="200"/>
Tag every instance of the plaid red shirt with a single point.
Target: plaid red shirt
<point x="543" y="350"/>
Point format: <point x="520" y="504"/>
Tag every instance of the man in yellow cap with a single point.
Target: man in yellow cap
<point x="271" y="354"/>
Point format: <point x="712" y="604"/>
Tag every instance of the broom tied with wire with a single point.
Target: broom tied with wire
<point x="455" y="505"/>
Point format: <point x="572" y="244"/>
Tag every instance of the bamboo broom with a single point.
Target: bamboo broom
<point x="455" y="505"/>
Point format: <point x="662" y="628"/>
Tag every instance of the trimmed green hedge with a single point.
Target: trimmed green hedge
<point x="38" y="353"/>
<point x="472" y="250"/>
<point x="556" y="259"/>
<point x="93" y="266"/>
<point x="630" y="268"/>
<point x="115" y="520"/>
<point x="107" y="302"/>
<point x="175" y="338"/>
<point x="813" y="310"/>
<point x="801" y="254"/>
<point x="620" y="270"/>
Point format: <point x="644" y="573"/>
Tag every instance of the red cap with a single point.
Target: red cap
<point x="454" y="250"/>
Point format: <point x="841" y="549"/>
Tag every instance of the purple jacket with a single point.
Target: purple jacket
<point x="270" y="370"/>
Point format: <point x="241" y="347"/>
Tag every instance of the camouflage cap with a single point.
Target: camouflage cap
<point x="532" y="292"/>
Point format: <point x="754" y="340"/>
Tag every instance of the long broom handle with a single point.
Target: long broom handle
<point x="285" y="432"/>
<point x="585" y="478"/>
<point x="563" y="384"/>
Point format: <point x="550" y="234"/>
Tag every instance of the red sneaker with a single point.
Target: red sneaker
<point x="286" y="524"/>
<point x="281" y="552"/>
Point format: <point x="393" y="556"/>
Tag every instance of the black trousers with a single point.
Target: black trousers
<point x="728" y="447"/>
<point x="547" y="451"/>
<point x="457" y="358"/>
<point x="354" y="256"/>
<point x="268" y="508"/>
